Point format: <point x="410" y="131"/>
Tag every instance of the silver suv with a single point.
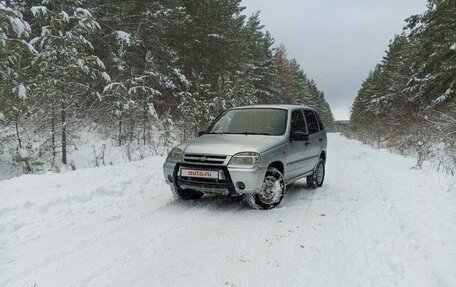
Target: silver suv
<point x="252" y="151"/>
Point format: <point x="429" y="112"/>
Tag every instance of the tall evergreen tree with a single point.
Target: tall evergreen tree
<point x="15" y="55"/>
<point x="408" y="102"/>
<point x="135" y="70"/>
<point x="67" y="69"/>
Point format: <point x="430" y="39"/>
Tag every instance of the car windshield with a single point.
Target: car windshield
<point x="255" y="121"/>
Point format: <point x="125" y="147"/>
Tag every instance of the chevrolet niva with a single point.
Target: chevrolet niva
<point x="253" y="151"/>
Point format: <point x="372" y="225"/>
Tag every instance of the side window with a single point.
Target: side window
<point x="297" y="122"/>
<point x="320" y="122"/>
<point x="311" y="120"/>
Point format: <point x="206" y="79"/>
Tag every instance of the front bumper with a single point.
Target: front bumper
<point x="227" y="185"/>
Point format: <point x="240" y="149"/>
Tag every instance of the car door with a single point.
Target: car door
<point x="296" y="149"/>
<point x="316" y="139"/>
<point x="322" y="134"/>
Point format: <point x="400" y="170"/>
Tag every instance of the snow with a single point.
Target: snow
<point x="65" y="16"/>
<point x="375" y="222"/>
<point x="30" y="47"/>
<point x="37" y="10"/>
<point x="217" y="36"/>
<point x="100" y="63"/>
<point x="181" y="77"/>
<point x="21" y="91"/>
<point x="106" y="77"/>
<point x="82" y="11"/>
<point x="443" y="97"/>
<point x="453" y="47"/>
<point x="23" y="153"/>
<point x="80" y="64"/>
<point x="2" y="117"/>
<point x="123" y="37"/>
<point x="19" y="26"/>
<point x="85" y="42"/>
<point x="152" y="111"/>
<point x="44" y="31"/>
<point x="109" y="87"/>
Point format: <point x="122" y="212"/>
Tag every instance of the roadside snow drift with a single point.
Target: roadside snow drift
<point x="375" y="222"/>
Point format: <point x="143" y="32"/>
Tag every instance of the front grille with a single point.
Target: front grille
<point x="224" y="183"/>
<point x="204" y="158"/>
<point x="195" y="183"/>
<point x="204" y="180"/>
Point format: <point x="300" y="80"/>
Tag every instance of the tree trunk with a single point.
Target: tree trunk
<point x="53" y="132"/>
<point x="8" y="3"/>
<point x="132" y="125"/>
<point x="17" y="133"/>
<point x="144" y="122"/>
<point x="120" y="130"/>
<point x="64" y="135"/>
<point x="120" y="122"/>
<point x="28" y="167"/>
<point x="144" y="133"/>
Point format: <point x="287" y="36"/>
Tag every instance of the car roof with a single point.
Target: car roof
<point x="284" y="107"/>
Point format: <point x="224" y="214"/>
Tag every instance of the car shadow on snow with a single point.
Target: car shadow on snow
<point x="294" y="192"/>
<point x="214" y="202"/>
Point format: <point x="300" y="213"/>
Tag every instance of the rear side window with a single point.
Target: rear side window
<point x="297" y="122"/>
<point x="320" y="122"/>
<point x="312" y="123"/>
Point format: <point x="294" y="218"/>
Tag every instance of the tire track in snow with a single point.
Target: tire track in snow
<point x="368" y="236"/>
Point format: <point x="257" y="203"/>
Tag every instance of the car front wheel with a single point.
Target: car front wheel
<point x="271" y="193"/>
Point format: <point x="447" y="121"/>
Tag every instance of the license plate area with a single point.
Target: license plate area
<point x="198" y="173"/>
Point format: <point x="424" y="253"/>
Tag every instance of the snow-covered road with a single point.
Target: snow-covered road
<point x="376" y="222"/>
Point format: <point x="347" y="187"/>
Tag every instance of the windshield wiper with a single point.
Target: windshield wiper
<point x="243" y="133"/>
<point x="259" y="134"/>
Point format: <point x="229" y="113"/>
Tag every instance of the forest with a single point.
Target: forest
<point x="140" y="74"/>
<point x="408" y="103"/>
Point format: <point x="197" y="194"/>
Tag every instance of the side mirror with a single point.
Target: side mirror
<point x="200" y="133"/>
<point x="299" y="137"/>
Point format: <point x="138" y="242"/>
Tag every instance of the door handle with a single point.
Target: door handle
<point x="320" y="139"/>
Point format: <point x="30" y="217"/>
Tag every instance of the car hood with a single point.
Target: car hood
<point x="231" y="144"/>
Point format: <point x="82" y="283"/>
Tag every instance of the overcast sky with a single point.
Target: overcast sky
<point x="337" y="43"/>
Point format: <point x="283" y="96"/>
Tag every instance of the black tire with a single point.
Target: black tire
<point x="318" y="177"/>
<point x="262" y="202"/>
<point x="187" y="194"/>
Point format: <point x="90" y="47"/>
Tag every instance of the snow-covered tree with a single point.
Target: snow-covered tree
<point x="15" y="55"/>
<point x="133" y="70"/>
<point x="408" y="102"/>
<point x="67" y="69"/>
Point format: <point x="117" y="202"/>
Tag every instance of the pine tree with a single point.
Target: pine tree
<point x="67" y="69"/>
<point x="157" y="65"/>
<point x="435" y="65"/>
<point x="15" y="55"/>
<point x="285" y="76"/>
<point x="408" y="102"/>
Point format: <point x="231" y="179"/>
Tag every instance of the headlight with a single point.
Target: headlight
<point x="245" y="160"/>
<point x="175" y="154"/>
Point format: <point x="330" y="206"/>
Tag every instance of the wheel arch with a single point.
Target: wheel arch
<point x="323" y="155"/>
<point x="279" y="165"/>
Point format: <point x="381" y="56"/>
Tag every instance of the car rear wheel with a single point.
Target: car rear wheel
<point x="187" y="194"/>
<point x="317" y="178"/>
<point x="271" y="193"/>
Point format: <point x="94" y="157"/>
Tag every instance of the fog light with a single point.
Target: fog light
<point x="170" y="178"/>
<point x="240" y="185"/>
